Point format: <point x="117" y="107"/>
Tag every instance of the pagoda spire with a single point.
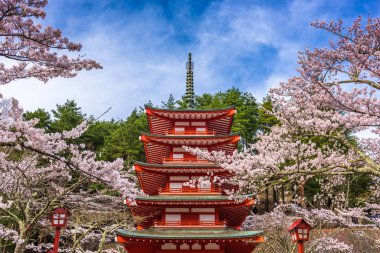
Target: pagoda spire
<point x="189" y="97"/>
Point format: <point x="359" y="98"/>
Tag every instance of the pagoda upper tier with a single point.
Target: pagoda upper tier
<point x="190" y="121"/>
<point x="169" y="148"/>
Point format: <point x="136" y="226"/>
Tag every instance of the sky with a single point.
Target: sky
<point x="143" y="46"/>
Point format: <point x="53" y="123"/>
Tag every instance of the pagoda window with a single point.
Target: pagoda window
<point x="212" y="246"/>
<point x="200" y="129"/>
<point x="177" y="210"/>
<point x="202" y="210"/>
<point x="207" y="218"/>
<point x="182" y="123"/>
<point x="178" y="156"/>
<point x="179" y="129"/>
<point x="169" y="246"/>
<point x="176" y="182"/>
<point x="173" y="218"/>
<point x="198" y="123"/>
<point x="175" y="185"/>
<point x="179" y="178"/>
<point x="178" y="149"/>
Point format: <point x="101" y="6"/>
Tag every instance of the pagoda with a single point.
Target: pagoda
<point x="175" y="216"/>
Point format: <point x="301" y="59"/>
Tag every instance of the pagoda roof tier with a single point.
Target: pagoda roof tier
<point x="158" y="147"/>
<point x="150" y="240"/>
<point x="196" y="200"/>
<point x="161" y="120"/>
<point x="190" y="140"/>
<point x="201" y="168"/>
<point x="152" y="177"/>
<point x="233" y="213"/>
<point x="175" y="234"/>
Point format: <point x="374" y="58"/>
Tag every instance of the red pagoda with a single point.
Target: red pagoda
<point x="173" y="217"/>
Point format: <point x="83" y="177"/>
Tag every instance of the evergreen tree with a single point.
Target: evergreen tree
<point x="170" y="103"/>
<point x="96" y="135"/>
<point x="124" y="140"/>
<point x="40" y="114"/>
<point x="245" y="121"/>
<point x="66" y="116"/>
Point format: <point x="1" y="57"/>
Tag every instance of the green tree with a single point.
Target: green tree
<point x="245" y="121"/>
<point x="96" y="134"/>
<point x="124" y="140"/>
<point x="40" y="114"/>
<point x="170" y="103"/>
<point x="66" y="117"/>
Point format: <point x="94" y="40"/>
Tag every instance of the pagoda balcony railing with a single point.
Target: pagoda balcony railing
<point x="190" y="190"/>
<point x="174" y="132"/>
<point x="190" y="223"/>
<point x="185" y="160"/>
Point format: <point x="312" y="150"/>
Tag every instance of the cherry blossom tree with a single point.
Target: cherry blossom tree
<point x="329" y="125"/>
<point x="30" y="50"/>
<point x="40" y="171"/>
<point x="332" y="231"/>
<point x="334" y="100"/>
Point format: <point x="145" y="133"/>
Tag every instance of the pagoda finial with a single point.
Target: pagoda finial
<point x="189" y="97"/>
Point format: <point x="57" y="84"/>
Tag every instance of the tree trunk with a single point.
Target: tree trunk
<point x="347" y="193"/>
<point x="302" y="194"/>
<point x="20" y="247"/>
<point x="275" y="200"/>
<point x="283" y="194"/>
<point x="266" y="200"/>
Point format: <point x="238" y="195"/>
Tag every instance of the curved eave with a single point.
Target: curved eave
<point x="218" y="200"/>
<point x="171" y="113"/>
<point x="164" y="171"/>
<point x="165" y="234"/>
<point x="178" y="168"/>
<point x="189" y="140"/>
<point x="162" y="120"/>
<point x="158" y="147"/>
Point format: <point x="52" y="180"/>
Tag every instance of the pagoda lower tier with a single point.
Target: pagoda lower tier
<point x="190" y="223"/>
<point x="161" y="240"/>
<point x="179" y="211"/>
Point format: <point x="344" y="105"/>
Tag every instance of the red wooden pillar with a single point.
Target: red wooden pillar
<point x="56" y="239"/>
<point x="301" y="247"/>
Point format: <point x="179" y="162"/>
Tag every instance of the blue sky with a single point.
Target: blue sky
<point x="143" y="48"/>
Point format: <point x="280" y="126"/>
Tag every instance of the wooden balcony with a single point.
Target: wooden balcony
<point x="173" y="132"/>
<point x="197" y="224"/>
<point x="168" y="160"/>
<point x="189" y="190"/>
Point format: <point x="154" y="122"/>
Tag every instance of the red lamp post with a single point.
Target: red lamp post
<point x="58" y="220"/>
<point x="300" y="232"/>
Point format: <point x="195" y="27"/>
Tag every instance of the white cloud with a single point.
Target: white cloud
<point x="144" y="61"/>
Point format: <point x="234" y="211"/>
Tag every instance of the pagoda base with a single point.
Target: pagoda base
<point x="200" y="241"/>
<point x="153" y="248"/>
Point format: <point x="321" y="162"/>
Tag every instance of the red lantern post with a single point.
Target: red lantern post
<point x="300" y="232"/>
<point x="58" y="220"/>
